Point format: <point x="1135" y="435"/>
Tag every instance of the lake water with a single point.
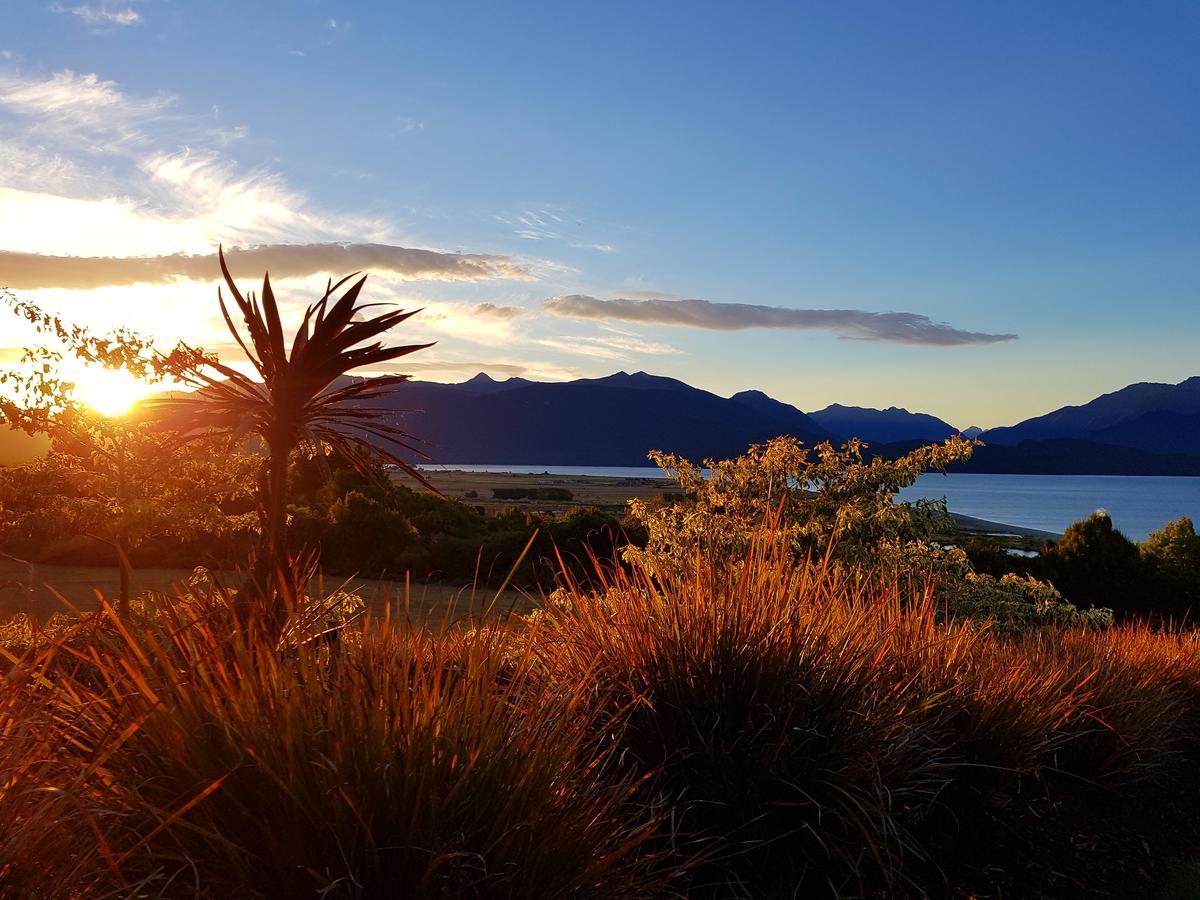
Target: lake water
<point x="1137" y="504"/>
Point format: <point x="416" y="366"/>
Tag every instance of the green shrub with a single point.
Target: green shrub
<point x="1172" y="556"/>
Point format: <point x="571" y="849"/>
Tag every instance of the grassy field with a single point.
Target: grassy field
<point x="40" y="590"/>
<point x="601" y="491"/>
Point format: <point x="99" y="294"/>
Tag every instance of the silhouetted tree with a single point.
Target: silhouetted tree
<point x="1094" y="564"/>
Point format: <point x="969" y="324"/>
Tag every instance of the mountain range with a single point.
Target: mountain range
<point x="1157" y="418"/>
<point x="1143" y="429"/>
<point x="614" y="421"/>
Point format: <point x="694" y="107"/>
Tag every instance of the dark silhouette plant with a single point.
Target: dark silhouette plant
<point x="298" y="402"/>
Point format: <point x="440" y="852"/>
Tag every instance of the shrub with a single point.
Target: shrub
<point x="1094" y="564"/>
<point x="1172" y="555"/>
<point x="756" y="704"/>
<point x="1015" y="604"/>
<point x="819" y="497"/>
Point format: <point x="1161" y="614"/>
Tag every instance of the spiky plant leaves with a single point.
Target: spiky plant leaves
<point x="296" y="401"/>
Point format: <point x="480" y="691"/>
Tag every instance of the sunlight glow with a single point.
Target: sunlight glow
<point x="111" y="392"/>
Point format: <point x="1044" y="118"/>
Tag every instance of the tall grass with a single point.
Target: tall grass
<point x="776" y="728"/>
<point x="194" y="760"/>
<point x="810" y="730"/>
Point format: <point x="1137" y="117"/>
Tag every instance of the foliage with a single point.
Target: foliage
<point x="813" y="731"/>
<point x="832" y="500"/>
<point x="1014" y="604"/>
<point x="1094" y="562"/>
<point x="298" y="402"/>
<point x="114" y="479"/>
<point x="168" y="493"/>
<point x="1172" y="554"/>
<point x="775" y="728"/>
<point x="822" y="497"/>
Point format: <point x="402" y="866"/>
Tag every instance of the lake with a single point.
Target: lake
<point x="1138" y="504"/>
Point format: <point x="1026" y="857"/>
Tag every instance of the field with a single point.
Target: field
<point x="600" y="491"/>
<point x="40" y="590"/>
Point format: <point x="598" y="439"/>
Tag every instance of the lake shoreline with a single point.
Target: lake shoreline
<point x="612" y="492"/>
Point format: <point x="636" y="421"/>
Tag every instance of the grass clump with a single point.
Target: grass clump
<point x="207" y="761"/>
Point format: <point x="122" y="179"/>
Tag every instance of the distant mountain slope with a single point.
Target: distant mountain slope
<point x="882" y="426"/>
<point x="1064" y="456"/>
<point x="611" y="421"/>
<point x="1158" y="418"/>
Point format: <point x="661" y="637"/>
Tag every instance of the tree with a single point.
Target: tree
<point x="1094" y="563"/>
<point x="816" y="497"/>
<point x="116" y="479"/>
<point x="1172" y="555"/>
<point x="830" y="500"/>
<point x="299" y="402"/>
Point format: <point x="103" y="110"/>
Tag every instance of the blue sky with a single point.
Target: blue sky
<point x="1005" y="169"/>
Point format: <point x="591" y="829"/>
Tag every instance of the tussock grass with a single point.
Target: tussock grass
<point x="201" y="760"/>
<point x="779" y="727"/>
<point x="811" y="730"/>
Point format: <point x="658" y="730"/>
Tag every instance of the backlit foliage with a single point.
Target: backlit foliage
<point x="822" y="497"/>
<point x="831" y="500"/>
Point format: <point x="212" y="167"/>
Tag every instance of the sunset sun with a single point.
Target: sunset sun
<point x="110" y="392"/>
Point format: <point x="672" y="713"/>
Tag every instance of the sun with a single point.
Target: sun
<point x="110" y="392"/>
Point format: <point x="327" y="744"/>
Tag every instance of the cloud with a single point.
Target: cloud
<point x="84" y="111"/>
<point x="856" y="324"/>
<point x="101" y="15"/>
<point x="33" y="271"/>
<point x="616" y="347"/>
<point x="491" y="310"/>
<point x="548" y="223"/>
<point x="88" y="170"/>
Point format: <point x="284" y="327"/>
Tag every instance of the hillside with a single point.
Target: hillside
<point x="612" y="421"/>
<point x="882" y="426"/>
<point x="1157" y="418"/>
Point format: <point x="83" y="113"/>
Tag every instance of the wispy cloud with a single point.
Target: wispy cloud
<point x="89" y="170"/>
<point x="894" y="327"/>
<point x="85" y="112"/>
<point x="101" y="15"/>
<point x="32" y="271"/>
<point x="615" y="347"/>
<point x="552" y="223"/>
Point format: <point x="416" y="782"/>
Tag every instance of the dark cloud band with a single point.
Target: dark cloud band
<point x="896" y="327"/>
<point x="30" y="271"/>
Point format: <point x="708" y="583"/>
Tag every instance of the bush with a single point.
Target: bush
<point x="1172" y="556"/>
<point x="755" y="705"/>
<point x="1094" y="564"/>
<point x="810" y="729"/>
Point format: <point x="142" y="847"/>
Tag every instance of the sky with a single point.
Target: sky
<point x="980" y="211"/>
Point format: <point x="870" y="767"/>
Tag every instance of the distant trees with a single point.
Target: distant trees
<point x="1094" y="562"/>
